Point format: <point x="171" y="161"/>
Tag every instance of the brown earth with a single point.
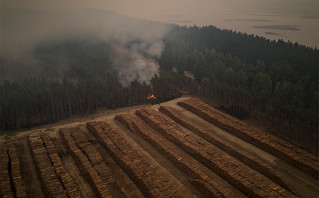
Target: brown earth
<point x="173" y="153"/>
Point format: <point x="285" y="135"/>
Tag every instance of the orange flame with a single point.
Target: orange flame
<point x="151" y="97"/>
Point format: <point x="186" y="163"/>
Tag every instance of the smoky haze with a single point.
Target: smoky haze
<point x="27" y="24"/>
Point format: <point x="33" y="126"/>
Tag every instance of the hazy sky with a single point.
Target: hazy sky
<point x="270" y="16"/>
<point x="239" y="15"/>
<point x="26" y="24"/>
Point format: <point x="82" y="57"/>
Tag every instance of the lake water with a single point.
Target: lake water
<point x="294" y="20"/>
<point x="274" y="27"/>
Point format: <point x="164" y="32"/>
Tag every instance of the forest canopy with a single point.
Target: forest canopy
<point x="272" y="82"/>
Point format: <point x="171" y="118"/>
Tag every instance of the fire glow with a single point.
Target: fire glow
<point x="151" y="97"/>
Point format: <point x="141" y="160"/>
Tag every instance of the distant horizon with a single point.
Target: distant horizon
<point x="271" y="19"/>
<point x="293" y="20"/>
<point x="271" y="32"/>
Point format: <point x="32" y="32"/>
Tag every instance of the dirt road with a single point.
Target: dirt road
<point x="283" y="174"/>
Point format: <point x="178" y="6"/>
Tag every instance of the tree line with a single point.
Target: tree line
<point x="275" y="83"/>
<point x="71" y="77"/>
<point x="38" y="101"/>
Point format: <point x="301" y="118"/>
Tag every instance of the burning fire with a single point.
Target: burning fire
<point x="151" y="97"/>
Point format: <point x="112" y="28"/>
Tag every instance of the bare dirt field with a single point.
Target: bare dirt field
<point x="179" y="148"/>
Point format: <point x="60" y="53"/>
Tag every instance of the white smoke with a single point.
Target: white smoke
<point x="137" y="68"/>
<point x="25" y="24"/>
<point x="154" y="49"/>
<point x="132" y="66"/>
<point x="137" y="63"/>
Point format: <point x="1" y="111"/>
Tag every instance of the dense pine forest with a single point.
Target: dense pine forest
<point x="275" y="83"/>
<point x="272" y="83"/>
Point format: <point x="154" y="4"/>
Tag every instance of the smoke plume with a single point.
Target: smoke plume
<point x="131" y="66"/>
<point x="137" y="43"/>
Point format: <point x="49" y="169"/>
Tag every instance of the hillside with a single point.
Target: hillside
<point x="179" y="148"/>
<point x="102" y="59"/>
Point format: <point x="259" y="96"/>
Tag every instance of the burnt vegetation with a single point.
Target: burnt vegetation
<point x="273" y="83"/>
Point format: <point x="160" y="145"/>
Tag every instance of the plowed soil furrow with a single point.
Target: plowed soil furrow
<point x="280" y="148"/>
<point x="179" y="148"/>
<point x="66" y="180"/>
<point x="125" y="184"/>
<point x="5" y="184"/>
<point x="28" y="169"/>
<point x="84" y="163"/>
<point x="272" y="138"/>
<point x="298" y="181"/>
<point x="11" y="181"/>
<point x="86" y="190"/>
<point x="70" y="166"/>
<point x="232" y="148"/>
<point x="209" y="183"/>
<point x="85" y="142"/>
<point x="81" y="139"/>
<point x="49" y="180"/>
<point x="19" y="187"/>
<point x="236" y="173"/>
<point x="152" y="179"/>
